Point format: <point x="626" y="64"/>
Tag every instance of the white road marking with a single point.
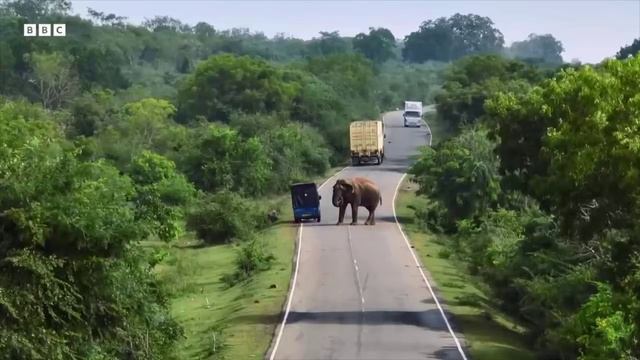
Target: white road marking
<point x="295" y="278"/>
<point x="355" y="265"/>
<point x="424" y="277"/>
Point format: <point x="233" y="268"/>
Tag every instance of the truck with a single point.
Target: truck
<point x="366" y="140"/>
<point x="412" y="113"/>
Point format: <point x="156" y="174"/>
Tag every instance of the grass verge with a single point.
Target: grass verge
<point x="490" y="335"/>
<point x="222" y="322"/>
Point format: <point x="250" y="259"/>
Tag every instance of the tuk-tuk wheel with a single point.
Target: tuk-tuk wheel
<point x="318" y="218"/>
<point x="297" y="221"/>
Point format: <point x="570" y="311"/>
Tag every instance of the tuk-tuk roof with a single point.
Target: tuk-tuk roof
<point x="305" y="185"/>
<point x="305" y="195"/>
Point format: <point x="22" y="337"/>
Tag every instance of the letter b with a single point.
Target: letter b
<point x="30" y="30"/>
<point x="44" y="29"/>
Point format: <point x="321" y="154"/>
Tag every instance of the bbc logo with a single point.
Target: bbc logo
<point x="45" y="30"/>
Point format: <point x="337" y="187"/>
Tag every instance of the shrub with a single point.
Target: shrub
<point x="433" y="217"/>
<point x="252" y="257"/>
<point x="224" y="217"/>
<point x="461" y="174"/>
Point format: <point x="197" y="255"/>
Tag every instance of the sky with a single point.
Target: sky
<point x="589" y="30"/>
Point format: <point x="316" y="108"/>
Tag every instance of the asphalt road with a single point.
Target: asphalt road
<point x="358" y="292"/>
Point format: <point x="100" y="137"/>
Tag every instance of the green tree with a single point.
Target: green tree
<point x="462" y="174"/>
<point x="55" y="78"/>
<point x="161" y="192"/>
<point x="576" y="150"/>
<point x="315" y="102"/>
<point x="594" y="151"/>
<point x="543" y="48"/>
<point x="329" y="43"/>
<point x="629" y="50"/>
<point x="297" y="153"/>
<point x="204" y="30"/>
<point x="36" y="9"/>
<point x="219" y="159"/>
<point x="103" y="67"/>
<point x="141" y="125"/>
<point x="474" y="79"/>
<point x="7" y="63"/>
<point x="227" y="83"/>
<point x="165" y="23"/>
<point x="582" y="164"/>
<point x="105" y="19"/>
<point x="378" y="46"/>
<point x="521" y="126"/>
<point x="90" y="113"/>
<point x="398" y="81"/>
<point x="447" y="39"/>
<point x="603" y="327"/>
<point x="74" y="282"/>
<point x="351" y="75"/>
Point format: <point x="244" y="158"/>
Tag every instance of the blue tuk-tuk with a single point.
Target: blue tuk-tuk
<point x="306" y="202"/>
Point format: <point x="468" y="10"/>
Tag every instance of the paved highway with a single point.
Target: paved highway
<point x="357" y="290"/>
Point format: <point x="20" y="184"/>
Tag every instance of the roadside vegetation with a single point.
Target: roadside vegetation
<point x="532" y="200"/>
<point x="489" y="334"/>
<point x="138" y="164"/>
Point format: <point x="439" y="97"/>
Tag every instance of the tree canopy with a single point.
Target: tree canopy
<point x="68" y="225"/>
<point x="542" y="48"/>
<point x="329" y="43"/>
<point x="470" y="81"/>
<point x="226" y="83"/>
<point x="447" y="39"/>
<point x="629" y="50"/>
<point x="378" y="46"/>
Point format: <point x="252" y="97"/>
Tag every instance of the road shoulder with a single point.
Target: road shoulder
<point x="277" y="327"/>
<point x="488" y="334"/>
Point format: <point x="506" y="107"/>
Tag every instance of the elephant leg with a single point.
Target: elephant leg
<point x="341" y="212"/>
<point x="372" y="217"/>
<point x="369" y="218"/>
<point x="354" y="214"/>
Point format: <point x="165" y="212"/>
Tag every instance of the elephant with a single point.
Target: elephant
<point x="357" y="191"/>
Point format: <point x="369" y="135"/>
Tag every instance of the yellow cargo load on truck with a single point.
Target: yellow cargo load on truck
<point x="367" y="141"/>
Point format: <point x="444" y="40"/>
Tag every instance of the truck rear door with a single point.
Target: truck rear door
<point x="364" y="137"/>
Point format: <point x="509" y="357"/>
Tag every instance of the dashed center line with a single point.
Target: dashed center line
<point x="357" y="270"/>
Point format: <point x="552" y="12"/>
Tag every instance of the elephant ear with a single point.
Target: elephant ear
<point x="349" y="185"/>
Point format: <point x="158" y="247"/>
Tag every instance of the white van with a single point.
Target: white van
<point x="412" y="113"/>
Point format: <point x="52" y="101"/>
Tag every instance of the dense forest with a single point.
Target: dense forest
<point x="537" y="193"/>
<point x="118" y="134"/>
